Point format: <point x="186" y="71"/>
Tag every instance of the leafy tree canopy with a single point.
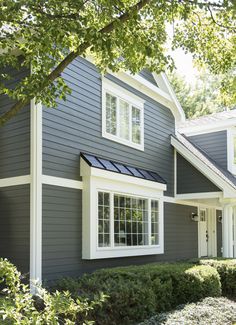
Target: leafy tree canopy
<point x="210" y="93"/>
<point x="119" y="34"/>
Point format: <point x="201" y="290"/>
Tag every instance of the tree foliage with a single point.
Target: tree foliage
<point x="119" y="34"/>
<point x="210" y="93"/>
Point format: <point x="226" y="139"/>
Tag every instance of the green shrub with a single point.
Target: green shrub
<point x="138" y="292"/>
<point x="227" y="272"/>
<point x="18" y="306"/>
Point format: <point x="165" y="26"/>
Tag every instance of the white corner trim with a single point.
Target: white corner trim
<point x="14" y="181"/>
<point x="63" y="182"/>
<point x="228" y="190"/>
<point x="36" y="196"/>
<point x="203" y="195"/>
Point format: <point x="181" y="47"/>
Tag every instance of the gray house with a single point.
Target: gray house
<point x="106" y="180"/>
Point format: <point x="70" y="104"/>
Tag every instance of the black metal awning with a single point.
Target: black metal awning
<point x="117" y="167"/>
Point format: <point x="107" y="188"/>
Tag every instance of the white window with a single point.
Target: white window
<point x="231" y="150"/>
<point x="125" y="220"/>
<point x="122" y="215"/>
<point x="122" y="116"/>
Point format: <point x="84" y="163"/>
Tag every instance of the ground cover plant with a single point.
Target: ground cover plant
<point x="211" y="311"/>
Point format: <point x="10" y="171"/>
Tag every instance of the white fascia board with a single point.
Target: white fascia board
<point x="87" y="171"/>
<point x="149" y="90"/>
<point x="177" y="106"/>
<point x="202" y="195"/>
<point x="228" y="190"/>
<point x="14" y="181"/>
<point x="162" y="96"/>
<point x="207" y="128"/>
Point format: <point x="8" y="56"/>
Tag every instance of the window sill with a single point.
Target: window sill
<point x="122" y="141"/>
<point x="120" y="252"/>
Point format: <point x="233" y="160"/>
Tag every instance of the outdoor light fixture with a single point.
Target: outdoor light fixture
<point x="220" y="219"/>
<point x="194" y="216"/>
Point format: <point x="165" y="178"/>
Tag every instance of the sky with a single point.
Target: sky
<point x="184" y="65"/>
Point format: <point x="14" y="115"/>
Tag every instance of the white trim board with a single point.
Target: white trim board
<point x="163" y="95"/>
<point x="202" y="195"/>
<point x="14" y="181"/>
<point x="36" y="196"/>
<point x="207" y="128"/>
<point x="62" y="182"/>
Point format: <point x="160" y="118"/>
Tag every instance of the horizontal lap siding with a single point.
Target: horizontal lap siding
<point x="15" y="137"/>
<point x="190" y="180"/>
<point x="76" y="125"/>
<point x="62" y="235"/>
<point x="148" y="76"/>
<point x="214" y="144"/>
<point x="15" y="225"/>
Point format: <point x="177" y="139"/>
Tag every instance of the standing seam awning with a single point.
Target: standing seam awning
<point x="117" y="167"/>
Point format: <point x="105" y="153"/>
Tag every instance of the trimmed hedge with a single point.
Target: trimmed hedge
<point x="138" y="292"/>
<point x="227" y="272"/>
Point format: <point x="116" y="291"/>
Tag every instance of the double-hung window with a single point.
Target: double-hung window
<point x="122" y="116"/>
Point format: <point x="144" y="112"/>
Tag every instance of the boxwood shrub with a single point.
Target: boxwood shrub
<point x="227" y="272"/>
<point x="138" y="292"/>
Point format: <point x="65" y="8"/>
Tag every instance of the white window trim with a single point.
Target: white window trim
<point x="231" y="133"/>
<point x="119" y="92"/>
<point x="95" y="181"/>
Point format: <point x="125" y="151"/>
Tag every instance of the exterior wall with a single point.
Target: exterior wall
<point x="62" y="237"/>
<point x="214" y="145"/>
<point x="15" y="225"/>
<point x="148" y="76"/>
<point x="15" y="137"/>
<point x="219" y="233"/>
<point x="76" y="125"/>
<point x="190" y="180"/>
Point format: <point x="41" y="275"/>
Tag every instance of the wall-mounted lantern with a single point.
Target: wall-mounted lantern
<point x="194" y="216"/>
<point x="220" y="219"/>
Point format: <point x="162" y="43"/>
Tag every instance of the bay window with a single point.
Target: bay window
<point x="122" y="116"/>
<point x="122" y="214"/>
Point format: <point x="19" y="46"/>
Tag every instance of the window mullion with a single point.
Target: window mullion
<point x="112" y="219"/>
<point x="130" y="123"/>
<point x="149" y="222"/>
<point x="118" y="117"/>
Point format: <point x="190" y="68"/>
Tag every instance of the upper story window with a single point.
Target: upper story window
<point x="123" y="120"/>
<point x="231" y="150"/>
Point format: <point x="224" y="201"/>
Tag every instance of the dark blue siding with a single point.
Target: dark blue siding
<point x="15" y="136"/>
<point x="148" y="76"/>
<point x="62" y="236"/>
<point x="214" y="144"/>
<point x="15" y="225"/>
<point x="190" y="180"/>
<point x="76" y="125"/>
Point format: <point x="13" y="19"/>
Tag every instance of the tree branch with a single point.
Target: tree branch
<point x="67" y="60"/>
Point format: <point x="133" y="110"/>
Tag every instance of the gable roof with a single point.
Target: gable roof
<point x="207" y="166"/>
<point x="208" y="122"/>
<point x="117" y="167"/>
